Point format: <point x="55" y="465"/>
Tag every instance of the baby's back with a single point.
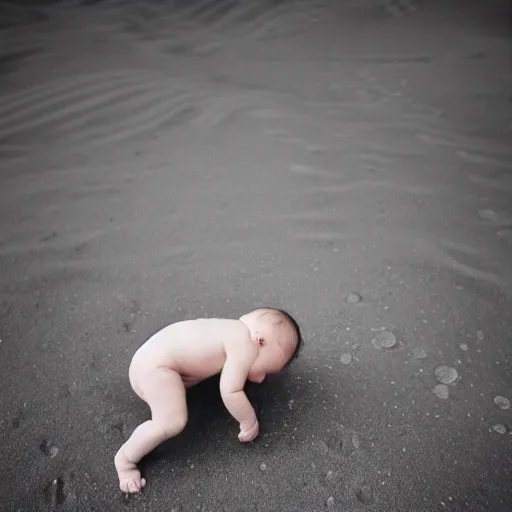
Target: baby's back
<point x="193" y="348"/>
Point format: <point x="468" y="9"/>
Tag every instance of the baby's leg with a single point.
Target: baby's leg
<point x="164" y="392"/>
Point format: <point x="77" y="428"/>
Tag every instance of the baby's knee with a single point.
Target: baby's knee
<point x="173" y="425"/>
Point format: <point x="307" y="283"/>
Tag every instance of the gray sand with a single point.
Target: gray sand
<point x="168" y="160"/>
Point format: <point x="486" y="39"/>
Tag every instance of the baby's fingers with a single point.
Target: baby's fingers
<point x="249" y="435"/>
<point x="133" y="487"/>
<point x="244" y="437"/>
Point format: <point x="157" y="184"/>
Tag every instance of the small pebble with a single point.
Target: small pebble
<point x="464" y="347"/>
<point x="346" y="358"/>
<point x="419" y="353"/>
<point x="263" y="467"/>
<point x="446" y="374"/>
<point x="354" y="298"/>
<point x="480" y="335"/>
<point x="499" y="428"/>
<point x="384" y="339"/>
<point x="502" y="402"/>
<point x="441" y="391"/>
<point x="330" y="503"/>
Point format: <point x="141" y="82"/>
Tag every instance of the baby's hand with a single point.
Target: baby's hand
<point x="250" y="434"/>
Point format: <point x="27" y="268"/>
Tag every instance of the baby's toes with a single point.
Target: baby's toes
<point x="134" y="486"/>
<point x="124" y="486"/>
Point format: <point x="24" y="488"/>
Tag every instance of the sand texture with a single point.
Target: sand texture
<point x="348" y="161"/>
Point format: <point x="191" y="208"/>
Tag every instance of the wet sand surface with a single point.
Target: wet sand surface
<point x="350" y="162"/>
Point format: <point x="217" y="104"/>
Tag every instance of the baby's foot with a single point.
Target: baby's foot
<point x="130" y="480"/>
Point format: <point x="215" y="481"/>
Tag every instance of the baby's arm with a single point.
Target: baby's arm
<point x="240" y="355"/>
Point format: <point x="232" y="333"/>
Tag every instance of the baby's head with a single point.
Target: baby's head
<point x="279" y="337"/>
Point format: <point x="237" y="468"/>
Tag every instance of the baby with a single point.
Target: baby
<point x="179" y="356"/>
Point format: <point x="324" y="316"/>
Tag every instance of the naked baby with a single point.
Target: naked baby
<point x="181" y="355"/>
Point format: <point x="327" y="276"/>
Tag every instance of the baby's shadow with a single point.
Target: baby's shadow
<point x="211" y="429"/>
<point x="286" y="404"/>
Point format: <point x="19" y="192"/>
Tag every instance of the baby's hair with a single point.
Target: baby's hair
<point x="294" y="325"/>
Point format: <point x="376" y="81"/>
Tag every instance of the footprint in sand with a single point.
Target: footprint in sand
<point x="17" y="420"/>
<point x="365" y="494"/>
<point x="342" y="441"/>
<point x="48" y="449"/>
<point x="120" y="431"/>
<point x="64" y="393"/>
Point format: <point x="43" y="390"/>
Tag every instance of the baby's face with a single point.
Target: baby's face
<point x="276" y="343"/>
